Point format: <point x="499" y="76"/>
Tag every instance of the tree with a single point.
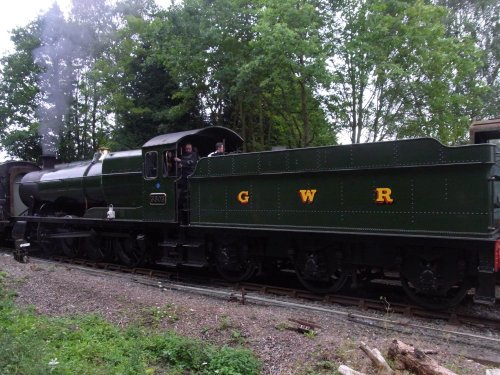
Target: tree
<point x="399" y="75"/>
<point x="287" y="69"/>
<point x="91" y="125"/>
<point x="142" y="90"/>
<point x="203" y="44"/>
<point x="70" y="95"/>
<point x="479" y="21"/>
<point x="18" y="93"/>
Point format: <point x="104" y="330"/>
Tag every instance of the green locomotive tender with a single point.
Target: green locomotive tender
<point x="332" y="214"/>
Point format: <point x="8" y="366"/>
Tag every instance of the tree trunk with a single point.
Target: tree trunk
<point x="344" y="370"/>
<point x="416" y="360"/>
<point x="377" y="359"/>
<point x="305" y="115"/>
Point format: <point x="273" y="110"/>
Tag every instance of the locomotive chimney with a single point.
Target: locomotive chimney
<point x="48" y="161"/>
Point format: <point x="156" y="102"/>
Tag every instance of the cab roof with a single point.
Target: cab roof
<point x="208" y="135"/>
<point x="482" y="131"/>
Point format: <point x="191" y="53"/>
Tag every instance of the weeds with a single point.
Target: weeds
<point x="310" y="333"/>
<point x="281" y="326"/>
<point x="388" y="309"/>
<point x="347" y="351"/>
<point x="237" y="337"/>
<point x="154" y="316"/>
<point x="34" y="344"/>
<point x="224" y="323"/>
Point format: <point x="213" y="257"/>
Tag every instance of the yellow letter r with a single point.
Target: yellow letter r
<point x="383" y="195"/>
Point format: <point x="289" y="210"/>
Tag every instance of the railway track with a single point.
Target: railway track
<point x="245" y="292"/>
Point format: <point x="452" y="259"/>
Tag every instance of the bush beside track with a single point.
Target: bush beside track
<point x="87" y="344"/>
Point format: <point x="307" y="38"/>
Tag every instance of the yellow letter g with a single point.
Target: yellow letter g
<point x="243" y="197"/>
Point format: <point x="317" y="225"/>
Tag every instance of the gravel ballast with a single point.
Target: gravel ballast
<point x="269" y="331"/>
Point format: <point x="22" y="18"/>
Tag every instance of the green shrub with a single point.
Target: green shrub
<point x="229" y="361"/>
<point x="31" y="344"/>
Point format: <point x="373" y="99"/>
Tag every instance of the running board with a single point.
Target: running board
<point x="69" y="235"/>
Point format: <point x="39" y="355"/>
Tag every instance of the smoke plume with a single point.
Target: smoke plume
<point x="59" y="50"/>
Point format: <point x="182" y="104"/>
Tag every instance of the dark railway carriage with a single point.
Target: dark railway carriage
<point x="333" y="214"/>
<point x="11" y="173"/>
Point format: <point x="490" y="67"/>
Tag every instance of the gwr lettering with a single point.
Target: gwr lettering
<point x="243" y="197"/>
<point x="383" y="195"/>
<point x="307" y="195"/>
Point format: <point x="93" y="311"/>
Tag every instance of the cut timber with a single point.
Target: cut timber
<point x="377" y="359"/>
<point x="416" y="360"/>
<point x="344" y="370"/>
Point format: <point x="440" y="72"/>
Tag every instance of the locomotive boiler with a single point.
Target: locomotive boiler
<point x="333" y="214"/>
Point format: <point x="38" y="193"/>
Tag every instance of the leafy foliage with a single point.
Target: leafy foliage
<point x="288" y="68"/>
<point x="479" y="21"/>
<point x="418" y="82"/>
<point x="290" y="72"/>
<point x="18" y="91"/>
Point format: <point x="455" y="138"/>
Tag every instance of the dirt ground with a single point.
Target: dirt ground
<point x="267" y="330"/>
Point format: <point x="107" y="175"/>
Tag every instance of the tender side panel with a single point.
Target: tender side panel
<point x="402" y="188"/>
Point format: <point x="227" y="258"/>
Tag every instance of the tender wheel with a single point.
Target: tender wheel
<point x="435" y="282"/>
<point x="128" y="251"/>
<point x="318" y="272"/>
<point x="233" y="261"/>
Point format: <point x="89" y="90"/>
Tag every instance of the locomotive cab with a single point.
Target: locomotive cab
<point x="165" y="195"/>
<point x="485" y="131"/>
<point x="488" y="131"/>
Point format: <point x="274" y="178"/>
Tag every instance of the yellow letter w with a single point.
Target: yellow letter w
<point x="307" y="196"/>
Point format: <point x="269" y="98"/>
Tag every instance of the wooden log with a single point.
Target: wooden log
<point x="344" y="370"/>
<point x="377" y="359"/>
<point x="416" y="360"/>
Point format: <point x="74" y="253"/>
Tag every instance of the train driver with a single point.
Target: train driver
<point x="188" y="160"/>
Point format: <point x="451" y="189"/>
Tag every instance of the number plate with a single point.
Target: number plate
<point x="157" y="199"/>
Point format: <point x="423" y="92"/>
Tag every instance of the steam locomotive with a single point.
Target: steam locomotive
<point x="334" y="215"/>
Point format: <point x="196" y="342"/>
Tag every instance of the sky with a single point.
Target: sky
<point x="18" y="13"/>
<point x="15" y="13"/>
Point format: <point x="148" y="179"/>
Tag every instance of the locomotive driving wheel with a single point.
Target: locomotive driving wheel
<point x="98" y="248"/>
<point x="128" y="251"/>
<point x="318" y="273"/>
<point x="233" y="261"/>
<point x="435" y="282"/>
<point x="47" y="244"/>
<point x="71" y="247"/>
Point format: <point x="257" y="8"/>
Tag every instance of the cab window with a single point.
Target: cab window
<point x="168" y="164"/>
<point x="151" y="165"/>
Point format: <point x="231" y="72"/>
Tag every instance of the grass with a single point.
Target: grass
<point x="87" y="344"/>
